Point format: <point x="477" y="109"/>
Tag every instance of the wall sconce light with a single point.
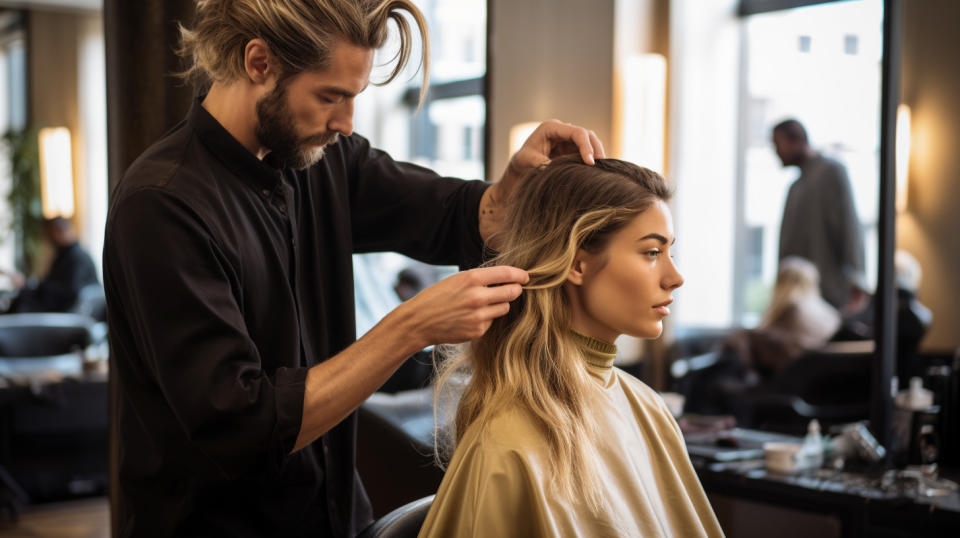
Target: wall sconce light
<point x="56" y="172"/>
<point x="902" y="156"/>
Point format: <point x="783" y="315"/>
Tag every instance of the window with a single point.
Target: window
<point x="13" y="117"/>
<point x="835" y="93"/>
<point x="446" y="135"/>
<point x="734" y="78"/>
<point x="850" y="44"/>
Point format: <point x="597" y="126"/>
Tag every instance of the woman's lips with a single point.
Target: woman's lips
<point x="663" y="308"/>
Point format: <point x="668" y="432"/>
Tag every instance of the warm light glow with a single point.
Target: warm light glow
<point x="644" y="110"/>
<point x="519" y="134"/>
<point x="56" y="172"/>
<point x="902" y="155"/>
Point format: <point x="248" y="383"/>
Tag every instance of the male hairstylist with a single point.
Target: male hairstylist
<point x="229" y="282"/>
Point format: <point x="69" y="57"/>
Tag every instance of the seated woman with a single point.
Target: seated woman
<point x="551" y="439"/>
<point x="798" y="319"/>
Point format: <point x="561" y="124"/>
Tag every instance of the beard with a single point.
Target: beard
<point x="277" y="131"/>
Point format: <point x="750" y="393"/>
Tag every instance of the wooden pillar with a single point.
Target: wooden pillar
<point x="144" y="100"/>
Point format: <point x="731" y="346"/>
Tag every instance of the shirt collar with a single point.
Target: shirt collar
<point x="263" y="174"/>
<point x="597" y="353"/>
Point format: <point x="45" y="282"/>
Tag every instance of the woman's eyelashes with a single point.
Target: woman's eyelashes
<point x="653" y="253"/>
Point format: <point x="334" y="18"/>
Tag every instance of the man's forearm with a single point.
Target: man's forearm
<point x="335" y="387"/>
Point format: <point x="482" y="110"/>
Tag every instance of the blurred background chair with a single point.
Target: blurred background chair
<point x="42" y="334"/>
<point x="53" y="415"/>
<point x="91" y="302"/>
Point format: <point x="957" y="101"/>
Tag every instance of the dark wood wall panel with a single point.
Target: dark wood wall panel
<point x="144" y="98"/>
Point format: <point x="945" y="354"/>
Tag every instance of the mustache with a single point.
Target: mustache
<point x="323" y="139"/>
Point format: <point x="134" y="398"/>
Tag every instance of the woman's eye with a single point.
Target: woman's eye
<point x="652" y="253"/>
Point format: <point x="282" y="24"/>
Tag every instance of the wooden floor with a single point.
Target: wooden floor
<point x="86" y="518"/>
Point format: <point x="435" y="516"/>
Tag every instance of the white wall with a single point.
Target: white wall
<point x="704" y="76"/>
<point x="549" y="59"/>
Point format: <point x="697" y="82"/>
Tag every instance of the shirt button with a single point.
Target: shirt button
<point x="282" y="207"/>
<point x="265" y="192"/>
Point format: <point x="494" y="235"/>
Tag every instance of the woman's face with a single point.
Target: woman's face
<point x="625" y="288"/>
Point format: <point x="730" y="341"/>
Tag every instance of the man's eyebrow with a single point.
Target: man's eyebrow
<point x="658" y="237"/>
<point x="341" y="91"/>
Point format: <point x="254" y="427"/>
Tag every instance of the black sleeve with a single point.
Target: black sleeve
<point x="409" y="209"/>
<point x="175" y="292"/>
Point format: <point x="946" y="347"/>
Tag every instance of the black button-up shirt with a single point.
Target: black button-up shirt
<point x="226" y="279"/>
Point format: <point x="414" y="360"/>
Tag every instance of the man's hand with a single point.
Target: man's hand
<point x="456" y="309"/>
<point x="462" y="307"/>
<point x="551" y="139"/>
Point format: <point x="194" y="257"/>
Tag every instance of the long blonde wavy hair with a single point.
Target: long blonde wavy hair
<point x="528" y="358"/>
<point x="301" y="34"/>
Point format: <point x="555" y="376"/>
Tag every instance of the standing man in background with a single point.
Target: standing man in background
<point x="228" y="274"/>
<point x="820" y="220"/>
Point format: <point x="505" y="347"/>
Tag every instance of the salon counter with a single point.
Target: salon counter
<point x="751" y="501"/>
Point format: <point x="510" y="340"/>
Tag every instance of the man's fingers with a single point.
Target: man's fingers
<point x="502" y="294"/>
<point x="582" y="138"/>
<point x="598" y="150"/>
<point x="565" y="137"/>
<point x="500" y="274"/>
<point x="494" y="311"/>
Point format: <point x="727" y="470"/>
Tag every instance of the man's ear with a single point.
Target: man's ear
<point x="578" y="269"/>
<point x="258" y="62"/>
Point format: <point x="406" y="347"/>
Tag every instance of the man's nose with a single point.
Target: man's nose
<point x="342" y="120"/>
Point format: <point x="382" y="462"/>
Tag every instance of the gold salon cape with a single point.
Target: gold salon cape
<point x="497" y="484"/>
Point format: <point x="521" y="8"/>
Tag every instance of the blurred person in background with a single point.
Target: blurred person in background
<point x="820" y="221"/>
<point x="798" y="319"/>
<point x="72" y="270"/>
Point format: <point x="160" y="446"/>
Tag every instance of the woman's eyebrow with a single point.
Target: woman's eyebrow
<point x="658" y="237"/>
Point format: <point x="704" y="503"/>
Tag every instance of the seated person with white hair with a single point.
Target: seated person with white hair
<point x="798" y="319"/>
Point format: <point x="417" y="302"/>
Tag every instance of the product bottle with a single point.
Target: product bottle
<point x="813" y="446"/>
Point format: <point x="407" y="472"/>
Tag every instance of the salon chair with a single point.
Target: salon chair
<point x="44" y="334"/>
<point x="404" y="522"/>
<point x="91" y="302"/>
<point x="53" y="418"/>
<point x="832" y="387"/>
<point x="829" y="385"/>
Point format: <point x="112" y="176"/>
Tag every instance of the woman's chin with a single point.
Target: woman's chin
<point x="647" y="331"/>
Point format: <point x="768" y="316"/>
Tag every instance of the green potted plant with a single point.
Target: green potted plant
<point x="26" y="212"/>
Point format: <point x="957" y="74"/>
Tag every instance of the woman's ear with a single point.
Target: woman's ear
<point x="578" y="269"/>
